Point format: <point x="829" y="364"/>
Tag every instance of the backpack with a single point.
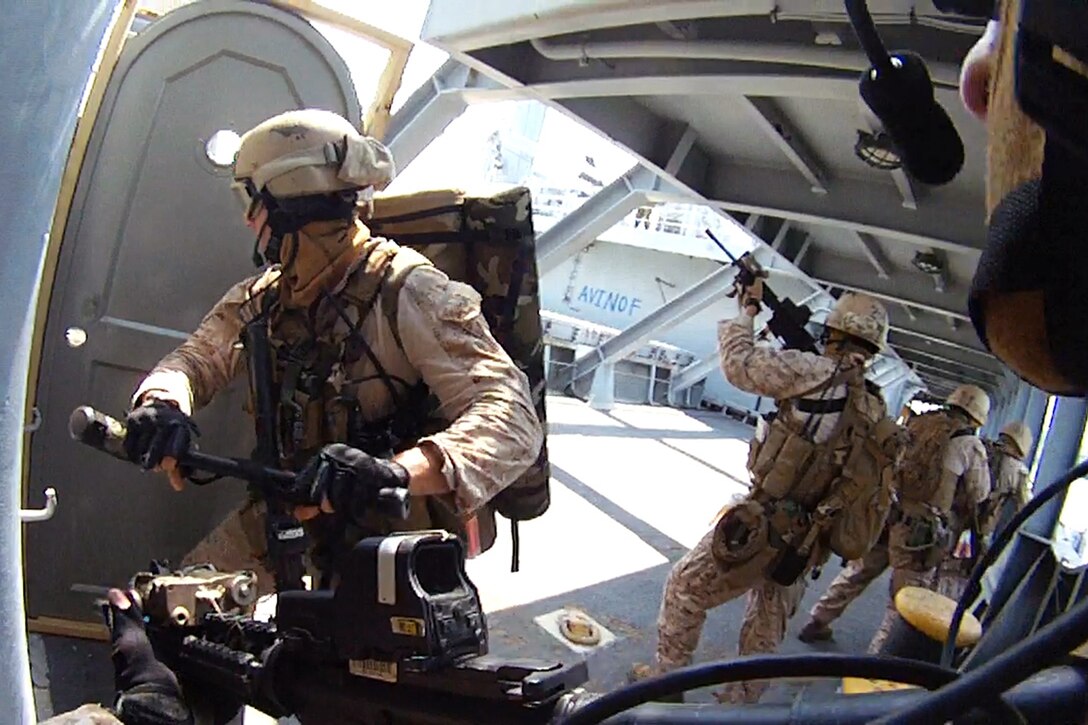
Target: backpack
<point x="864" y="490"/>
<point x="920" y="469"/>
<point x="487" y="242"/>
<point x="846" y="482"/>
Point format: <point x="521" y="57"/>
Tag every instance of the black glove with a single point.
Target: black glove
<point x="350" y="479"/>
<point x="155" y="430"/>
<point x="147" y="691"/>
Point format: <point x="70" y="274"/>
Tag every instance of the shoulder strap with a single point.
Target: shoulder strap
<point x="795" y="401"/>
<point x="400" y="266"/>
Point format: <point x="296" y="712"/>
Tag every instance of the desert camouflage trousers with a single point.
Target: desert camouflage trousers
<point x="697" y="584"/>
<point x="849" y="585"/>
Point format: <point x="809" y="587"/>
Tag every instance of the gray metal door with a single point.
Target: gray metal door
<point x="153" y="240"/>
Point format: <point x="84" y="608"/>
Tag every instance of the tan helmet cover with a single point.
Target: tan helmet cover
<point x="310" y="151"/>
<point x="973" y="400"/>
<point x="1019" y="435"/>
<point x="861" y="316"/>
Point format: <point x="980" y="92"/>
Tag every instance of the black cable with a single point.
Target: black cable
<point x="1007" y="669"/>
<point x="868" y="37"/>
<point x="973" y="586"/>
<point x="911" y="672"/>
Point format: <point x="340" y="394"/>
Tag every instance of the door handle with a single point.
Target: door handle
<point x="30" y="516"/>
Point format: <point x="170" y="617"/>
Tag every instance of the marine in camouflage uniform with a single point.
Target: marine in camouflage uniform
<point x="965" y="473"/>
<point x="701" y="581"/>
<point x="1011" y="491"/>
<point x="327" y="299"/>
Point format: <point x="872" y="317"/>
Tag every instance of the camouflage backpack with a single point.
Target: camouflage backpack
<point x="920" y="469"/>
<point x="486" y="242"/>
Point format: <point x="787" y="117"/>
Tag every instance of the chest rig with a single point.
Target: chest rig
<point x="318" y="353"/>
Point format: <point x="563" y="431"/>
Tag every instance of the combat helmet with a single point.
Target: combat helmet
<point x="308" y="152"/>
<point x="1018" y="437"/>
<point x="860" y="316"/>
<point x="972" y="400"/>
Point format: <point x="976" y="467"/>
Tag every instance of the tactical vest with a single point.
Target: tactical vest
<point x="486" y="242"/>
<point x="925" y="486"/>
<point x="838" y="492"/>
<point x="1004" y="498"/>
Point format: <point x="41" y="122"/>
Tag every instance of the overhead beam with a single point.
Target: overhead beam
<point x="949" y="375"/>
<point x="951" y="224"/>
<point x="889" y="297"/>
<point x="940" y="366"/>
<point x="774" y="122"/>
<point x="938" y="340"/>
<point x="904" y="349"/>
<point x="799" y="258"/>
<point x="871" y="249"/>
<point x="605" y="104"/>
<point x="595" y="216"/>
<point x="780" y="236"/>
<point x="430" y="109"/>
<point x="851" y="273"/>
<point x="680" y="308"/>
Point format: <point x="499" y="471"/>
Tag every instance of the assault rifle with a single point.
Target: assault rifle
<point x="402" y="640"/>
<point x="788" y="320"/>
<point x="107" y="434"/>
<point x="286" y="538"/>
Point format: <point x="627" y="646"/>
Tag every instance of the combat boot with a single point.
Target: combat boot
<point x="642" y="672"/>
<point x="815" y="632"/>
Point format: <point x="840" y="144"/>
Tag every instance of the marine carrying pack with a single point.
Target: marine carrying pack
<point x="485" y="241"/>
<point x="920" y="473"/>
<point x="844" y="484"/>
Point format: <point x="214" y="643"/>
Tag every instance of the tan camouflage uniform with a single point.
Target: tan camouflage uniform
<point x="84" y="715"/>
<point x="494" y="435"/>
<point x="1011" y="486"/>
<point x="965" y="457"/>
<point x="698" y="582"/>
<point x="849" y="584"/>
<point x="1011" y="491"/>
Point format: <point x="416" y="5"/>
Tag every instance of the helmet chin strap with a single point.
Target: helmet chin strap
<point x="271" y="254"/>
<point x="288" y="216"/>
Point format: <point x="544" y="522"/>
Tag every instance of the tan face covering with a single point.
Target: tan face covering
<point x="317" y="257"/>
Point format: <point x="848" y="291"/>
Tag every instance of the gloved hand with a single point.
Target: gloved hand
<point x="147" y="691"/>
<point x="751" y="296"/>
<point x="157" y="433"/>
<point x="344" y="479"/>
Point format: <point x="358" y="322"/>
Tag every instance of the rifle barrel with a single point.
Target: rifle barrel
<point x="720" y="246"/>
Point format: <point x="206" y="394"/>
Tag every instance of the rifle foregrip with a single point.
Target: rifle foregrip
<point x="96" y="429"/>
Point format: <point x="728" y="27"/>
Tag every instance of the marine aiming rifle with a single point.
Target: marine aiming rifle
<point x="788" y="320"/>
